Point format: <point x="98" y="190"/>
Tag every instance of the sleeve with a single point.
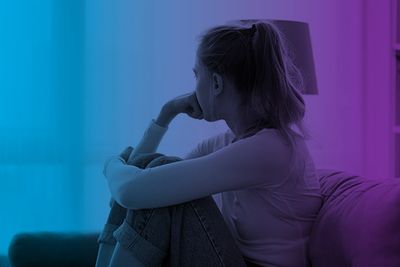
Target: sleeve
<point x="208" y="145"/>
<point x="199" y="150"/>
<point x="150" y="141"/>
<point x="151" y="138"/>
<point x="245" y="163"/>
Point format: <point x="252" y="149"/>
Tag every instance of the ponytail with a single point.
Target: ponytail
<point x="256" y="58"/>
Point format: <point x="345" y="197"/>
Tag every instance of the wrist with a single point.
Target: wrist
<point x="166" y="115"/>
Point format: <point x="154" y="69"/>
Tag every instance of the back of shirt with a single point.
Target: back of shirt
<point x="271" y="223"/>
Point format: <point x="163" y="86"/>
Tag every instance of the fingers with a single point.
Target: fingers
<point x="197" y="111"/>
<point x="142" y="160"/>
<point x="163" y="160"/>
<point x="189" y="104"/>
<point x="126" y="153"/>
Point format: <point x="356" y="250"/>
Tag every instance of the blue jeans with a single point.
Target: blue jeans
<point x="192" y="234"/>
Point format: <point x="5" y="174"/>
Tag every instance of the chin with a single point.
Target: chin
<point x="210" y="117"/>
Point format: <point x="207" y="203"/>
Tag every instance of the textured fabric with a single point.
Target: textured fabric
<point x="268" y="203"/>
<point x="189" y="234"/>
<point x="263" y="159"/>
<point x="118" y="213"/>
<point x="151" y="138"/>
<point x="147" y="237"/>
<point x="271" y="224"/>
<point x="358" y="224"/>
<point x="332" y="242"/>
<point x="107" y="234"/>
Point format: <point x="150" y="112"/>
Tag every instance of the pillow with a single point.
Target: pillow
<point x="359" y="222"/>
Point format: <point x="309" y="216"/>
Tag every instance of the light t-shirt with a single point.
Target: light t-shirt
<point x="270" y="221"/>
<point x="270" y="224"/>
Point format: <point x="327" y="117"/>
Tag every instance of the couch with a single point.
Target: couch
<point x="358" y="225"/>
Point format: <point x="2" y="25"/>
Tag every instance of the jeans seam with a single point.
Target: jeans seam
<point x="137" y="246"/>
<point x="144" y="226"/>
<point x="203" y="224"/>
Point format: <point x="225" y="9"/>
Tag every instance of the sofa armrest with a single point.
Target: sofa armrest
<point x="53" y="249"/>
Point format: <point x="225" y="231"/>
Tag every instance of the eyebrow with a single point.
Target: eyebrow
<point x="194" y="70"/>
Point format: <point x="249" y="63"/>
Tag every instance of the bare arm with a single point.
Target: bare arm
<point x="151" y="139"/>
<point x="248" y="162"/>
<point x="154" y="132"/>
<point x="186" y="103"/>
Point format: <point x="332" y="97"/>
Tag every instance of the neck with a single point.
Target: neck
<point x="243" y="123"/>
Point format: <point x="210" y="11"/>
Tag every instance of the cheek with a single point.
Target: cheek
<point x="201" y="95"/>
<point x="199" y="98"/>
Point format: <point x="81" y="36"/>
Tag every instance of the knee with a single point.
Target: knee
<point x="156" y="217"/>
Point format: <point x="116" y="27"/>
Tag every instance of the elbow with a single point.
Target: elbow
<point x="122" y="194"/>
<point x="125" y="200"/>
<point x="126" y="190"/>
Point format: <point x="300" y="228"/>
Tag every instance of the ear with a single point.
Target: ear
<point x="217" y="83"/>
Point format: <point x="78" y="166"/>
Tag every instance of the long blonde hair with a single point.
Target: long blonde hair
<point x="259" y="63"/>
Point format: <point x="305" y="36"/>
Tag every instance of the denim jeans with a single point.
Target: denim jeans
<point x="192" y="234"/>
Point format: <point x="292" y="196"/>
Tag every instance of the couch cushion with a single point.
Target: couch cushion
<point x="359" y="222"/>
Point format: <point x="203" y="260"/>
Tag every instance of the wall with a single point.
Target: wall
<point x="80" y="83"/>
<point x="41" y="81"/>
<point x="141" y="55"/>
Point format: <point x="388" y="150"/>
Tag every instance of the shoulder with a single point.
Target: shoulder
<point x="267" y="138"/>
<point x="259" y="159"/>
<point x="218" y="141"/>
<point x="271" y="151"/>
<point x="265" y="148"/>
<point x="295" y="162"/>
<point x="211" y="144"/>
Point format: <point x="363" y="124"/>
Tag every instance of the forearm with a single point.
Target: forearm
<point x="166" y="115"/>
<point x="152" y="135"/>
<point x="155" y="131"/>
<point x="117" y="174"/>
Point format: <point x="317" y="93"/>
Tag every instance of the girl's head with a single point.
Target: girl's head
<point x="254" y="67"/>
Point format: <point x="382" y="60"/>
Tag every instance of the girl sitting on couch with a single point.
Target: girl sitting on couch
<point x="260" y="165"/>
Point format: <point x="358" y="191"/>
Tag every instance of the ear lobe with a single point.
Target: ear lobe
<point x="217" y="83"/>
